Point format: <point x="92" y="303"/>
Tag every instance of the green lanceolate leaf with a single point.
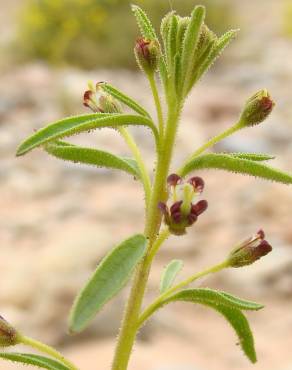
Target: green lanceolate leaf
<point x="93" y="157"/>
<point x="190" y="42"/>
<point x="215" y="297"/>
<point x="163" y="73"/>
<point x="203" y="295"/>
<point x="164" y="28"/>
<point x="169" y="274"/>
<point x="109" y="278"/>
<point x="258" y="157"/>
<point x="144" y="23"/>
<point x="171" y="46"/>
<point x="237" y="165"/>
<point x="124" y="99"/>
<point x="241" y="326"/>
<point x="34" y="360"/>
<point x="216" y="51"/>
<point x="77" y="124"/>
<point x="229" y="306"/>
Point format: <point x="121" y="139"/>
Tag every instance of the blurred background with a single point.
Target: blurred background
<point x="58" y="220"/>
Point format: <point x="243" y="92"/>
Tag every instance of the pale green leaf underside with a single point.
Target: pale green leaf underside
<point x="77" y="124"/>
<point x="109" y="278"/>
<point x="119" y="95"/>
<point x="238" y="165"/>
<point x="34" y="360"/>
<point x="169" y="274"/>
<point x="229" y="306"/>
<point x="93" y="157"/>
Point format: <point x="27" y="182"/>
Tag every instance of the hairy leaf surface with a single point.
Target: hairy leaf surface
<point x="252" y="156"/>
<point x="226" y="304"/>
<point x="77" y="124"/>
<point x="169" y="274"/>
<point x="93" y="157"/>
<point x="238" y="165"/>
<point x="34" y="360"/>
<point x="144" y="23"/>
<point x="109" y="278"/>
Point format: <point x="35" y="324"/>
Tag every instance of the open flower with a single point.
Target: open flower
<point x="249" y="250"/>
<point x="181" y="210"/>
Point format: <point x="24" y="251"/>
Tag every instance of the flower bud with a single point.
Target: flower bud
<point x="147" y="53"/>
<point x="181" y="211"/>
<point x="249" y="251"/>
<point x="8" y="335"/>
<point x="99" y="101"/>
<point x="257" y="108"/>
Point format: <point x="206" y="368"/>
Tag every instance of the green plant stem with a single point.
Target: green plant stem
<point x="153" y="85"/>
<point x="44" y="348"/>
<point x="129" y="326"/>
<point x="159" y="301"/>
<point x="231" y="130"/>
<point x="163" y="235"/>
<point x="137" y="155"/>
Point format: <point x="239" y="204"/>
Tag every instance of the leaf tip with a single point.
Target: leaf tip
<point x="20" y="151"/>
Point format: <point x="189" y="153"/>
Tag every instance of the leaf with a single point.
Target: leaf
<point x="241" y="326"/>
<point x="229" y="306"/>
<point x="124" y="99"/>
<point x="220" y="45"/>
<point x="169" y="274"/>
<point x="237" y="165"/>
<point x="77" y="124"/>
<point x="199" y="62"/>
<point x="144" y="23"/>
<point x="109" y="278"/>
<point x="98" y="158"/>
<point x="34" y="360"/>
<point x="201" y="295"/>
<point x="190" y="42"/>
<point x="171" y="46"/>
<point x="252" y="156"/>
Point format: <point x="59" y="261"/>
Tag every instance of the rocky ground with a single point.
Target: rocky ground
<point x="57" y="220"/>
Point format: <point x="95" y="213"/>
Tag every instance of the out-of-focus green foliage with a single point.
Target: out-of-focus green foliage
<point x="287" y="18"/>
<point x="96" y="33"/>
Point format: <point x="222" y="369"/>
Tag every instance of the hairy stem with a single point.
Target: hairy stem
<point x="211" y="143"/>
<point x="159" y="301"/>
<point x="137" y="155"/>
<point x="44" y="348"/>
<point x="129" y="326"/>
<point x="155" y="94"/>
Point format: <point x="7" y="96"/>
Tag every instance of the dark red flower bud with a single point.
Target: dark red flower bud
<point x="147" y="53"/>
<point x="8" y="335"/>
<point x="257" y="109"/>
<point x="249" y="251"/>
